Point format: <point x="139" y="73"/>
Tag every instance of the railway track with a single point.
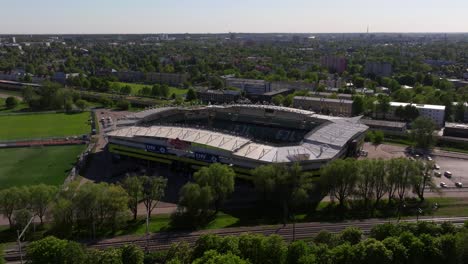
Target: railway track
<point x="163" y="240"/>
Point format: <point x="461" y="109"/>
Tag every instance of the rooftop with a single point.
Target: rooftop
<point x="419" y="106"/>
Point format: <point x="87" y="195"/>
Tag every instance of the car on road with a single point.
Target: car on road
<point x="448" y="174"/>
<point x="437" y="174"/>
<point x="443" y="185"/>
<point x="436" y="166"/>
<point x="429" y="158"/>
<point x="459" y="185"/>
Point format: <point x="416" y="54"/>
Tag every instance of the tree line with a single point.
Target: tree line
<point x="401" y="243"/>
<point x="371" y="180"/>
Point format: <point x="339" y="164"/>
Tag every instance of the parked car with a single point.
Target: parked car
<point x="459" y="184"/>
<point x="437" y="174"/>
<point x="448" y="174"/>
<point x="436" y="167"/>
<point x="429" y="158"/>
<point x="443" y="185"/>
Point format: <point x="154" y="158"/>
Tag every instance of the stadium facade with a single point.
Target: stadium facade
<point x="243" y="136"/>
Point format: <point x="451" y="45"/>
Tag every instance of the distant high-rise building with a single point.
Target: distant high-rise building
<point x="13" y="39"/>
<point x="334" y="64"/>
<point x="378" y="68"/>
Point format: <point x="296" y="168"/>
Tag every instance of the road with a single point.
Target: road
<point x="163" y="240"/>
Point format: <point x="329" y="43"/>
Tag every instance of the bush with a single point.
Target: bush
<point x="123" y="105"/>
<point x="11" y="102"/>
<point x="132" y="254"/>
<point x="351" y="235"/>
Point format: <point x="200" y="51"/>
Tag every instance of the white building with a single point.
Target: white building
<point x="434" y="112"/>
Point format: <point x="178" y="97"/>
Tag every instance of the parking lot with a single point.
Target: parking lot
<point x="458" y="168"/>
<point x="457" y="164"/>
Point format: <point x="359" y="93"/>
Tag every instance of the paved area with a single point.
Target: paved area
<point x="456" y="163"/>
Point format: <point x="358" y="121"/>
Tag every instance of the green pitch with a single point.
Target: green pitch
<point x="29" y="166"/>
<point x="43" y="125"/>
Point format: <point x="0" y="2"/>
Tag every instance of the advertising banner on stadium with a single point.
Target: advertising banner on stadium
<point x="156" y="149"/>
<point x="178" y="144"/>
<point x="206" y="157"/>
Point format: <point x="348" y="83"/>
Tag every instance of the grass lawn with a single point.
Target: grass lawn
<point x="19" y="108"/>
<point x="137" y="87"/>
<point x="27" y="166"/>
<point x="30" y="126"/>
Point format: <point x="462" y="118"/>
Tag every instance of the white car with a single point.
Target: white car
<point x="429" y="158"/>
<point x="448" y="174"/>
<point x="459" y="185"/>
<point x="436" y="167"/>
<point x="443" y="185"/>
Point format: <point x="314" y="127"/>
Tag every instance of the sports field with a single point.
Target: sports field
<point x="33" y="126"/>
<point x="27" y="166"/>
<point x="137" y="87"/>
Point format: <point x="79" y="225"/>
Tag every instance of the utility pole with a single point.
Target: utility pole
<point x="20" y="235"/>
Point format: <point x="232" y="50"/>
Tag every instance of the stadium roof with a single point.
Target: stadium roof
<point x="199" y="136"/>
<point x="336" y="133"/>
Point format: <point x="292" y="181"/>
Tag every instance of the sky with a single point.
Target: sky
<point x="219" y="16"/>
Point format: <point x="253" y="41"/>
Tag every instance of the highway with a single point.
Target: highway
<point x="163" y="240"/>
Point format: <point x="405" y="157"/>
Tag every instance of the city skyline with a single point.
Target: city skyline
<point x="209" y="16"/>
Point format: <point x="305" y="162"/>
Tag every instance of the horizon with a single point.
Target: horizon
<point x="213" y="17"/>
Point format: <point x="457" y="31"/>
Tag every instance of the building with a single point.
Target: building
<point x="242" y="136"/>
<point x="129" y="76"/>
<point x="334" y="64"/>
<point x="267" y="97"/>
<point x="296" y="85"/>
<point x="456" y="130"/>
<point x="250" y="86"/>
<point x="328" y="106"/>
<point x="389" y="127"/>
<point x="332" y="95"/>
<point x="434" y="112"/>
<point x="333" y="83"/>
<point x="218" y="96"/>
<point x="62" y="77"/>
<point x="457" y="83"/>
<point x="382" y="69"/>
<point x="173" y="79"/>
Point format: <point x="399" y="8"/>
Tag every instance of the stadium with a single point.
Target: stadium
<point x="242" y="136"/>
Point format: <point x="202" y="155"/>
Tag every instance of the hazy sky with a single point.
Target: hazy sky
<point x="212" y="16"/>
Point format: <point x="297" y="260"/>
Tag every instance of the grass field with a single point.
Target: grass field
<point x="137" y="87"/>
<point x="26" y="166"/>
<point x="43" y="125"/>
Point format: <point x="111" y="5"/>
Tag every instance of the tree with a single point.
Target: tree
<point x="422" y="132"/>
<point x="127" y="89"/>
<point x="339" y="177"/>
<point x="286" y="186"/>
<point x="384" y="104"/>
<point x="379" y="174"/>
<point x="297" y="250"/>
<point x="278" y="99"/>
<point x="422" y="177"/>
<point x="460" y="112"/>
<point x="11" y="102"/>
<point x="123" y="105"/>
<point x="213" y="257"/>
<point x="410" y="112"/>
<point x="134" y="187"/>
<point x="195" y="199"/>
<point x="377" y="138"/>
<point x="400" y="112"/>
<point x="10" y="200"/>
<point x="358" y="105"/>
<point x="191" y="95"/>
<point x="46" y="250"/>
<point x="132" y="254"/>
<point x="81" y="104"/>
<point x="351" y="235"/>
<point x="218" y="177"/>
<point x="154" y="189"/>
<point x="40" y="196"/>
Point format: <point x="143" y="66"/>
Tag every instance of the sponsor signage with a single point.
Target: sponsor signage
<point x="206" y="157"/>
<point x="178" y="144"/>
<point x="156" y="149"/>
